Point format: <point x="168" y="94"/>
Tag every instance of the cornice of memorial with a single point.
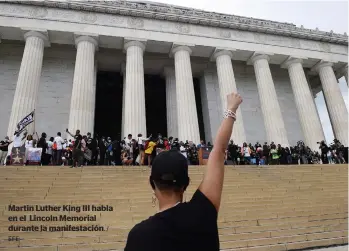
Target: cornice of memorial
<point x="192" y="16"/>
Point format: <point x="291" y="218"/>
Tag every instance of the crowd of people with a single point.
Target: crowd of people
<point x="82" y="150"/>
<point x="272" y="154"/>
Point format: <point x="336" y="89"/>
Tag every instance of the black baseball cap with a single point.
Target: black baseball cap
<point x="170" y="167"/>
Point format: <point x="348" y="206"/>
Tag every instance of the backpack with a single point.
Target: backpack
<point x="54" y="146"/>
<point x="140" y="146"/>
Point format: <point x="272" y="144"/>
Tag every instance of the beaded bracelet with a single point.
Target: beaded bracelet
<point x="229" y="114"/>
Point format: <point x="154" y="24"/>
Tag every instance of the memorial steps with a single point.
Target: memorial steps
<point x="270" y="208"/>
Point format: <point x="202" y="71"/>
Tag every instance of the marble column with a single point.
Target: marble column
<point x="82" y="105"/>
<point x="134" y="107"/>
<point x="303" y="97"/>
<point x="123" y="72"/>
<point x="273" y="121"/>
<point x="24" y="101"/>
<point x="171" y="102"/>
<point x="334" y="100"/>
<point x="188" y="125"/>
<point x="227" y="85"/>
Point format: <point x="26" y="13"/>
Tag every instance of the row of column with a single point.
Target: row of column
<point x="182" y="116"/>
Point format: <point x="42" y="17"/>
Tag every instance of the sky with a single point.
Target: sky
<point x="325" y="15"/>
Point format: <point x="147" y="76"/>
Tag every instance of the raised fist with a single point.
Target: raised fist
<point x="233" y="101"/>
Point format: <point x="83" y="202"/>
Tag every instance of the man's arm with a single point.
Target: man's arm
<point x="6" y="144"/>
<point x="24" y="134"/>
<point x="69" y="133"/>
<point x="212" y="184"/>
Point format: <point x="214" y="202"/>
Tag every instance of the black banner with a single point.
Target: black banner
<point x="24" y="122"/>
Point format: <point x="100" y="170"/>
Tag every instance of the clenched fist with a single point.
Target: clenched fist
<point x="233" y="101"/>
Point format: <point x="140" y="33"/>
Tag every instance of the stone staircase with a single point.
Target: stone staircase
<point x="271" y="208"/>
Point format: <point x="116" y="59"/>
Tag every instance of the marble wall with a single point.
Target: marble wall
<point x="211" y="105"/>
<point x="250" y="108"/>
<point x="286" y="101"/>
<point x="54" y="96"/>
<point x="10" y="61"/>
<point x="52" y="109"/>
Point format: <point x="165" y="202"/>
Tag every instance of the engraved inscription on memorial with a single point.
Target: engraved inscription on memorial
<point x="38" y="12"/>
<point x="64" y="14"/>
<point x="111" y="19"/>
<point x="239" y="34"/>
<point x="10" y="9"/>
<point x="325" y="47"/>
<point x="182" y="28"/>
<point x="309" y="45"/>
<point x="224" y="33"/>
<point x="135" y="22"/>
<point x="89" y="17"/>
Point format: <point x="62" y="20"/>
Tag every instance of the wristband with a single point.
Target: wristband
<point x="229" y="114"/>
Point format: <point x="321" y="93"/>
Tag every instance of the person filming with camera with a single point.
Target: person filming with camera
<point x="324" y="150"/>
<point x="186" y="225"/>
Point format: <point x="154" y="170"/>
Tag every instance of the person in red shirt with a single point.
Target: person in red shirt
<point x="167" y="145"/>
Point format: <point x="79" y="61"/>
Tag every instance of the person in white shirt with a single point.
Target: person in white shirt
<point x="28" y="144"/>
<point x="17" y="139"/>
<point x="128" y="140"/>
<point x="183" y="150"/>
<point x="49" y="151"/>
<point x="4" y="150"/>
<point x="65" y="145"/>
<point x="128" y="143"/>
<point x="57" y="157"/>
<point x="246" y="152"/>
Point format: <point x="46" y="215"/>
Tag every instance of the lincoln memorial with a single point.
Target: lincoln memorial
<point x="114" y="68"/>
